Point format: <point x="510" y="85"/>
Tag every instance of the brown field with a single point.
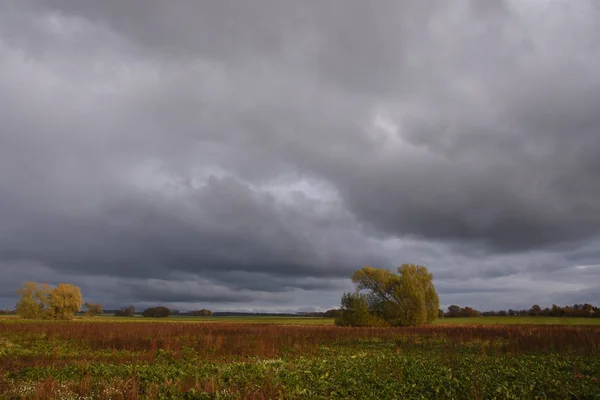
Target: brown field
<point x="153" y="359"/>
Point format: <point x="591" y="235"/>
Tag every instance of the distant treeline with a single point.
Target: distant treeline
<point x="454" y="311"/>
<point x="576" y="310"/>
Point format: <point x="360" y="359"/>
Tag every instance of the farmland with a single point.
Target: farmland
<point x="231" y="360"/>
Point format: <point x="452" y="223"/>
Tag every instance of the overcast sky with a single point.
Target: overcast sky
<point x="250" y="155"/>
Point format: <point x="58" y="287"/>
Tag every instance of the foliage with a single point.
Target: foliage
<point x="576" y="310"/>
<point x="403" y="299"/>
<point x="43" y="301"/>
<point x="128" y="311"/>
<point x="156" y="312"/>
<point x="93" y="309"/>
<point x="202" y="313"/>
<point x="333" y="313"/>
<point x="64" y="301"/>
<point x="30" y="305"/>
<point x="355" y="312"/>
<point x="455" y="311"/>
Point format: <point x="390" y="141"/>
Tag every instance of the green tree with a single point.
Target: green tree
<point x="535" y="310"/>
<point x="398" y="299"/>
<point x="355" y="312"/>
<point x="156" y="312"/>
<point x="454" y="311"/>
<point x="333" y="313"/>
<point x="202" y="313"/>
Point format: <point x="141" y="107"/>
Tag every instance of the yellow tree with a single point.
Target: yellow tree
<point x="64" y="301"/>
<point x="401" y="299"/>
<point x="29" y="306"/>
<point x="43" y="301"/>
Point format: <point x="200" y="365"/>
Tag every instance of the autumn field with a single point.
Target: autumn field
<point x="144" y="359"/>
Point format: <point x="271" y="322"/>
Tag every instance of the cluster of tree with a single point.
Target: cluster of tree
<point x="456" y="311"/>
<point x="92" y="309"/>
<point x="333" y="313"/>
<point x="251" y="314"/>
<point x="44" y="301"/>
<point x="576" y="310"/>
<point x="384" y="298"/>
<point x="128" y="311"/>
<point x="202" y="313"/>
<point x="7" y="312"/>
<point x="156" y="312"/>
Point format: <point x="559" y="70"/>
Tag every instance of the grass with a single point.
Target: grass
<point x="137" y="358"/>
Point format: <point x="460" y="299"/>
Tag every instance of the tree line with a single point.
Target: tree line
<point x="42" y="301"/>
<point x="158" y="312"/>
<point x="576" y="310"/>
<point x="381" y="298"/>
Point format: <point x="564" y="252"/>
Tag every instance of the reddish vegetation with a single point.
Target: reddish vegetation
<point x="225" y="341"/>
<point x="81" y="344"/>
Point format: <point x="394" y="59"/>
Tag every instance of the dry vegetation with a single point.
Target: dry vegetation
<point x="219" y="360"/>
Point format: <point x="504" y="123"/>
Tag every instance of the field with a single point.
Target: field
<point x="258" y="358"/>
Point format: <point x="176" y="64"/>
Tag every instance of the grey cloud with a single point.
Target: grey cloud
<point x="273" y="148"/>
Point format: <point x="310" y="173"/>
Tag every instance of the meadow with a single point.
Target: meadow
<point x="296" y="358"/>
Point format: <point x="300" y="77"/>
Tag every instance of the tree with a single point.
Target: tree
<point x="29" y="306"/>
<point x="156" y="312"/>
<point x="355" y="312"/>
<point x="202" y="313"/>
<point x="93" y="309"/>
<point x="126" y="312"/>
<point x="42" y="301"/>
<point x="470" y="312"/>
<point x="64" y="301"/>
<point x="454" y="311"/>
<point x="535" y="310"/>
<point x="397" y="299"/>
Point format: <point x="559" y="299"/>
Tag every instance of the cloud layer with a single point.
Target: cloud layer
<point x="252" y="156"/>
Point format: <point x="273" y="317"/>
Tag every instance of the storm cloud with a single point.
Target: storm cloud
<point x="243" y="155"/>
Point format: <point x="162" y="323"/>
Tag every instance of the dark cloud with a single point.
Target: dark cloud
<point x="250" y="155"/>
